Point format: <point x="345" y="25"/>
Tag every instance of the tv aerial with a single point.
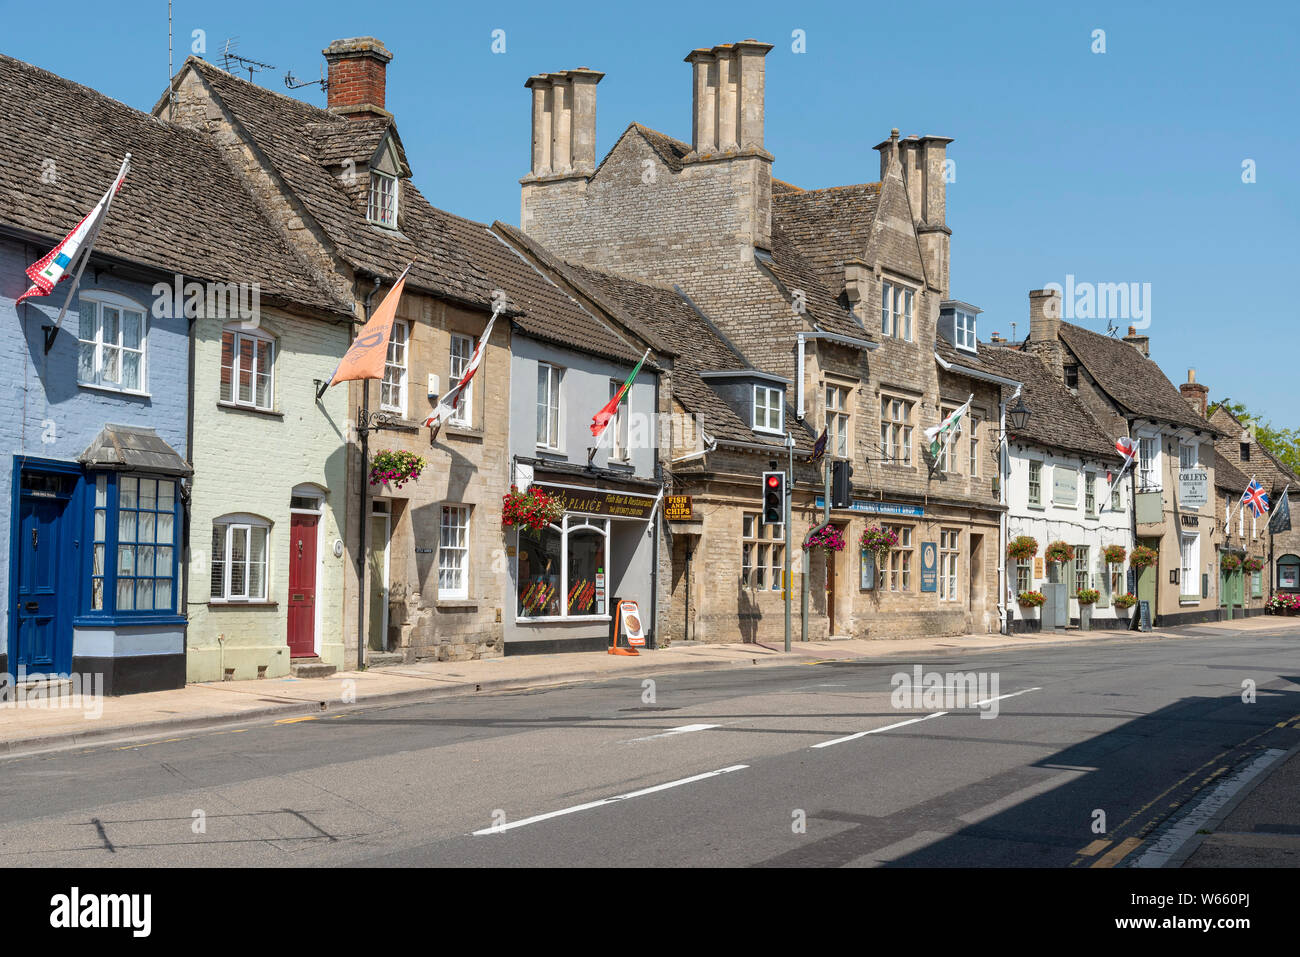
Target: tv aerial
<point x="229" y="56"/>
<point x="292" y="83"/>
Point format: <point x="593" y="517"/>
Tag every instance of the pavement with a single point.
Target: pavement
<point x="31" y="726"/>
<point x="1105" y="751"/>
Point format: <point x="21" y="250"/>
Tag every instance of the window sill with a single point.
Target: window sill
<point x="560" y="619"/>
<point x="620" y="465"/>
<point x="760" y="431"/>
<point x="1037" y="508"/>
<point x="1189" y="600"/>
<point x="456" y="603"/>
<point x="112" y="390"/>
<point x="463" y="431"/>
<point x="125" y="619"/>
<point x="241" y="603"/>
<point x="555" y="455"/>
<point x="238" y="407"/>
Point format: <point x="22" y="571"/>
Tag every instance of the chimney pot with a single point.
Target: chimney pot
<point x="1196" y="394"/>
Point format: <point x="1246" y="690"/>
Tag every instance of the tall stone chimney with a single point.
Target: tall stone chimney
<point x="357" y="72"/>
<point x="921" y="159"/>
<point x="1196" y="394"/>
<point x="1045" y="329"/>
<point x="564" y="123"/>
<point x="727" y="91"/>
<point x="1141" y="343"/>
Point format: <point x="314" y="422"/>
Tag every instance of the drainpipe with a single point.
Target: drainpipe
<point x="654" y="530"/>
<point x="803" y="337"/>
<point x="1004" y="478"/>
<point x="186" y="497"/>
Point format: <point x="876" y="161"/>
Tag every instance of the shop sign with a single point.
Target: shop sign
<point x="929" y="566"/>
<point x="630" y="621"/>
<point x="879" y="508"/>
<point x="1193" y="488"/>
<point x="602" y="502"/>
<point x="679" y="508"/>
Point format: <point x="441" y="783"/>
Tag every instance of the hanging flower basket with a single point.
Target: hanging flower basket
<point x="828" y="539"/>
<point x="879" y="541"/>
<point x="1143" y="557"/>
<point x="1022" y="548"/>
<point x="535" y="508"/>
<point x="395" y="467"/>
<point x="1229" y="562"/>
<point x="1126" y="600"/>
<point x="1114" y="554"/>
<point x="1087" y="596"/>
<point x="1031" y="599"/>
<point x="1253" y="564"/>
<point x="1059" y="552"/>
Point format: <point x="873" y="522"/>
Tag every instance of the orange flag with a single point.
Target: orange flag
<point x="365" y="359"/>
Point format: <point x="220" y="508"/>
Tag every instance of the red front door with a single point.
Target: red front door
<point x="302" y="585"/>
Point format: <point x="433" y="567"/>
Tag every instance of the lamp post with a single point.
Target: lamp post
<point x="1017" y="417"/>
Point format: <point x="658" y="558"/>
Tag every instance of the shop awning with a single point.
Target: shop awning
<point x="132" y="448"/>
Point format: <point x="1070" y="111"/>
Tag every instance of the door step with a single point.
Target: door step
<point x="380" y="659"/>
<point x="310" y="668"/>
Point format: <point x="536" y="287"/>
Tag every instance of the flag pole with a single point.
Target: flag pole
<point x="52" y="332"/>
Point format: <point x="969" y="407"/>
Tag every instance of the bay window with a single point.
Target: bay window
<point x="134" y="535"/>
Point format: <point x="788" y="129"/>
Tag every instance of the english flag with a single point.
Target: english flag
<point x="365" y="358"/>
<point x="48" y="271"/>
<point x="450" y="402"/>
<point x="608" y="411"/>
<point x="1127" y="448"/>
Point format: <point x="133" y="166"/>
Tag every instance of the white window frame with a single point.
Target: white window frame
<point x="1034" y="498"/>
<point x="949" y="570"/>
<point x="1082" y="569"/>
<point x="572" y="522"/>
<point x="456" y="366"/>
<point x="1189" y="553"/>
<point x="100" y="299"/>
<point x="554" y="413"/>
<point x="1149" y="465"/>
<point x="762" y="553"/>
<point x="618" y="449"/>
<point x="947" y="461"/>
<point x="242" y="524"/>
<point x="1184" y="447"/>
<point x="974" y="446"/>
<point x="447" y="552"/>
<point x="896" y="432"/>
<point x="395" y="373"/>
<point x="383" y="187"/>
<point x="1090" y="494"/>
<point x="839" y="419"/>
<point x="257" y="337"/>
<point x="964" y="330"/>
<point x="775" y="403"/>
<point x="897" y="310"/>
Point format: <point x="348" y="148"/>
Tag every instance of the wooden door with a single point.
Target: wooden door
<point x="43" y="626"/>
<point x="377" y="599"/>
<point x="302" y="585"/>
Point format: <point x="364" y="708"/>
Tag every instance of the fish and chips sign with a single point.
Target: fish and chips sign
<point x="678" y="508"/>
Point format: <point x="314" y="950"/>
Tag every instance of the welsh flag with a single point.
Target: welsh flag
<point x="940" y="435"/>
<point x="601" y="418"/>
<point x="48" y="271"/>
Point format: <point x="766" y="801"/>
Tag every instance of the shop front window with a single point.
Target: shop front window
<point x="562" y="569"/>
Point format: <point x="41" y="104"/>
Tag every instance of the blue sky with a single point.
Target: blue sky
<point x="1122" y="166"/>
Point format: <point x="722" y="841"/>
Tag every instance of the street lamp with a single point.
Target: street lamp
<point x="1018" y="415"/>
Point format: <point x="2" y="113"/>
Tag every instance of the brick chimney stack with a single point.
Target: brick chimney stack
<point x="1196" y="394"/>
<point x="1141" y="343"/>
<point x="357" y="72"/>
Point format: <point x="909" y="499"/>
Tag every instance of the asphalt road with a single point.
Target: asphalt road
<point x="806" y="765"/>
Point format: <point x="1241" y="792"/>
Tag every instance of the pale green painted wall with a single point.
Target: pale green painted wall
<point x="249" y="462"/>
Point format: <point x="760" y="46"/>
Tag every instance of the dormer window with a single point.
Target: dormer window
<point x="382" y="210"/>
<point x="768" y="409"/>
<point x="965" y="330"/>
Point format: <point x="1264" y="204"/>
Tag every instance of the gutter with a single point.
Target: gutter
<point x="976" y="373"/>
<point x="803" y="337"/>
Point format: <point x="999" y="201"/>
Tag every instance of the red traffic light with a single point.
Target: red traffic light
<point x="773" y="481"/>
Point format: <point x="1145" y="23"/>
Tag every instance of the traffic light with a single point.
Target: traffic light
<point x="841" y="490"/>
<point x="773" y="498"/>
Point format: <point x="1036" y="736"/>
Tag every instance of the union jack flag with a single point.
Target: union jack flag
<point x="1256" y="498"/>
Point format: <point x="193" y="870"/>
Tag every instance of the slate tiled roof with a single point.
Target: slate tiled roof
<point x="1130" y="378"/>
<point x="827" y="226"/>
<point x="181" y="209"/>
<point x="1227" y="476"/>
<point x="291" y="133"/>
<point x="1057" y="418"/>
<point x="545" y="310"/>
<point x="793" y="271"/>
<point x="357" y="140"/>
<point x="131" y="448"/>
<point x="672" y="327"/>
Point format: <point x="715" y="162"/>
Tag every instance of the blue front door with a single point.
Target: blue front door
<point x="45" y="579"/>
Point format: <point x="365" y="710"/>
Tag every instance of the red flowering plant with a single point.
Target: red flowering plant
<point x="395" y="467"/>
<point x="1031" y="599"/>
<point x="828" y="538"/>
<point x="1229" y="562"/>
<point x="1114" y="554"/>
<point x="1143" y="557"/>
<point x="535" y="508"/>
<point x="1022" y="548"/>
<point x="1059" y="552"/>
<point x="879" y="541"/>
<point x="1253" y="564"/>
